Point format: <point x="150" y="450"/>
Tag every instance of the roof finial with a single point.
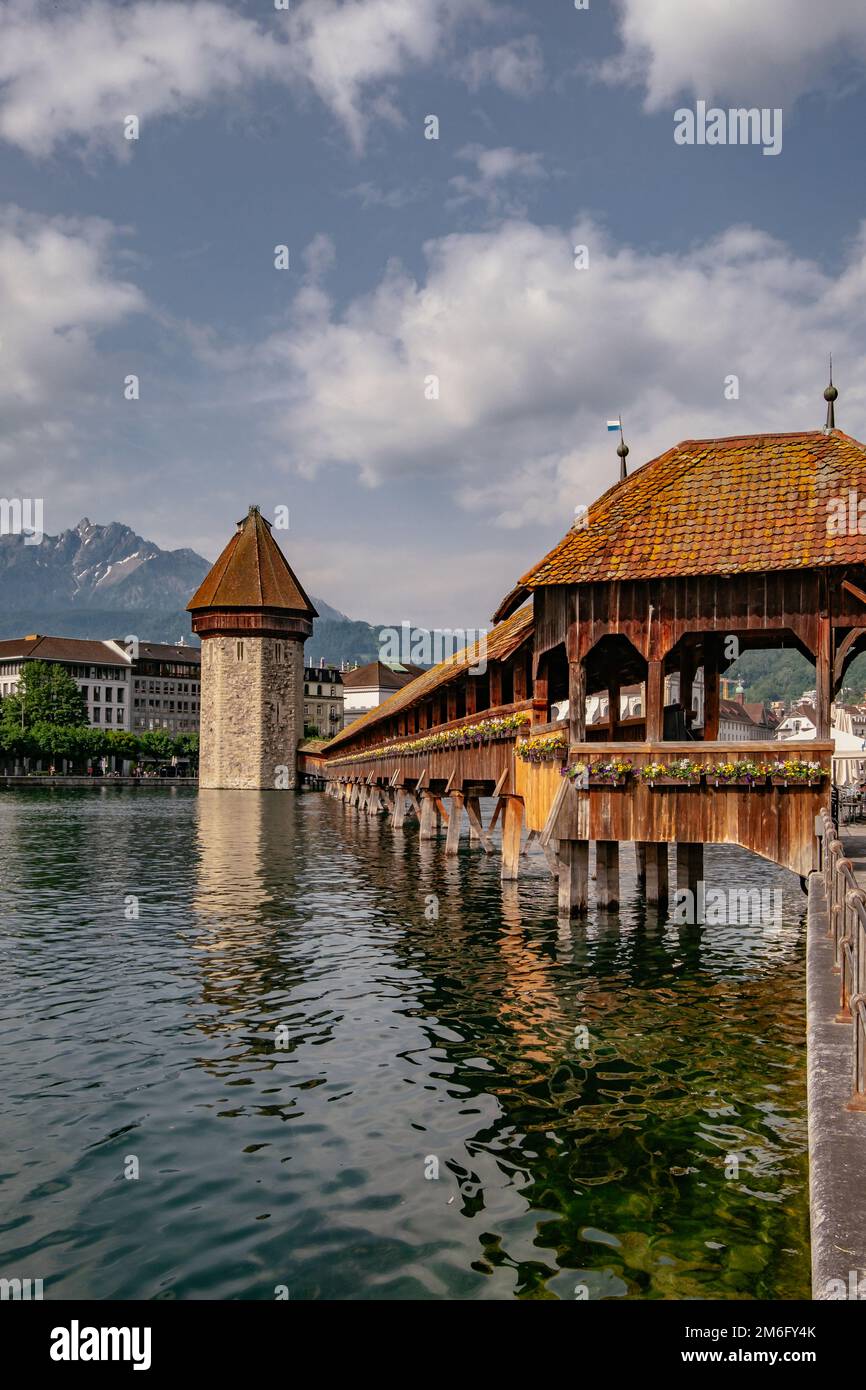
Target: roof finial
<point x="831" y="395"/>
<point x="622" y="451"/>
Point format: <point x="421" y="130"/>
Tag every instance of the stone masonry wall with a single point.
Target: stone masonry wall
<point x="251" y="711"/>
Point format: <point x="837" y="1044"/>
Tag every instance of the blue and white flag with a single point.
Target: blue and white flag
<point x="613" y="425"/>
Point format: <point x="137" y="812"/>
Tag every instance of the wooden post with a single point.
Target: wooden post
<point x="656" y="890"/>
<point x="495" y="671"/>
<point x="711" y="688"/>
<point x="823" y="679"/>
<point x="512" y="827"/>
<point x="640" y="858"/>
<point x="398" y="819"/>
<point x="607" y="873"/>
<point x="452" y="839"/>
<point x="690" y="866"/>
<point x="429" y="816"/>
<point x="613" y="709"/>
<point x="477" y="833"/>
<point x="573" y="856"/>
<point x="655" y="699"/>
<point x="540" y="705"/>
<point x="687" y="679"/>
<point x="471" y="694"/>
<point x="576" y="702"/>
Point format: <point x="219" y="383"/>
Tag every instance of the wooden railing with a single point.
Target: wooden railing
<point x="846" y="905"/>
<point x="395" y="747"/>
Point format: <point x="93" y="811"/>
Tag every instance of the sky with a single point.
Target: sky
<point x="426" y="384"/>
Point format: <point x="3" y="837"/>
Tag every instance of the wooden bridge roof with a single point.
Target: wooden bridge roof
<point x="252" y="572"/>
<point x="718" y="506"/>
<point x="502" y="641"/>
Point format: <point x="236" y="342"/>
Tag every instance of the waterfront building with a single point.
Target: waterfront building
<point x="367" y="687"/>
<point x="323" y="699"/>
<point x="166" y="688"/>
<point x="101" y="670"/>
<point x="253" y="618"/>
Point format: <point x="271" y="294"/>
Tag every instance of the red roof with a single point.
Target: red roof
<point x="719" y="506"/>
<point x="252" y="572"/>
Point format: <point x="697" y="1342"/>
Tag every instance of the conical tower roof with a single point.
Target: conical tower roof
<point x="252" y="572"/>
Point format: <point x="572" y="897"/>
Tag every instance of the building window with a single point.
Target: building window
<point x="97" y="692"/>
<point x="120" y="696"/>
<point x="96" y="716"/>
<point x="108" y="694"/>
<point x="240" y="651"/>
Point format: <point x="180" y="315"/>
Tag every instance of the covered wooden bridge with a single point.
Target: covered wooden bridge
<point x="715" y="548"/>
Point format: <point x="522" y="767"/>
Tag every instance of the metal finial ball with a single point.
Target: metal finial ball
<point x="622" y="450"/>
<point x="831" y="394"/>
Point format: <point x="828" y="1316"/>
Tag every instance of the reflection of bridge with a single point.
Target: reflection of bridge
<point x="715" y="548"/>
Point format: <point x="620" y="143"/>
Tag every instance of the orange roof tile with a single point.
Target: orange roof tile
<point x="718" y="506"/>
<point x="501" y="642"/>
<point x="252" y="572"/>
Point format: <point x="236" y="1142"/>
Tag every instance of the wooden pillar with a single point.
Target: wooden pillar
<point x="519" y="677"/>
<point x="656" y="888"/>
<point x="690" y="866"/>
<point x="573" y="895"/>
<point x="640" y="858"/>
<point x="576" y="702"/>
<point x="613" y="709"/>
<point x="452" y="838"/>
<point x="823" y="679"/>
<point x="687" y="678"/>
<point x="495" y="671"/>
<point x="711" y="687"/>
<point x="540" y="703"/>
<point x="512" y="827"/>
<point x="398" y="819"/>
<point x="607" y="873"/>
<point x="429" y="816"/>
<point x="471" y="694"/>
<point x="655" y="701"/>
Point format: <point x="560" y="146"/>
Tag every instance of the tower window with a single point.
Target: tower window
<point x="279" y="651"/>
<point x="240" y="651"/>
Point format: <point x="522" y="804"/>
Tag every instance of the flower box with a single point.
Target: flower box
<point x="683" y="782"/>
<point x="737" y="783"/>
<point x="608" y="781"/>
<point x="795" y="782"/>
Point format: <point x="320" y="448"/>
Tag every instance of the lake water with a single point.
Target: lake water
<point x="659" y="1154"/>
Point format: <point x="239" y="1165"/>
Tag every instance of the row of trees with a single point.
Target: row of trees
<point x="47" y="720"/>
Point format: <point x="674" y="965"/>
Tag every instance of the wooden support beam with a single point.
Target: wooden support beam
<point x="440" y="809"/>
<point x="512" y="828"/>
<point x="640" y="859"/>
<point x="398" y="819"/>
<point x="452" y="839"/>
<point x="573" y="896"/>
<point x="529" y="841"/>
<point x="500" y="785"/>
<point x="607" y="873"/>
<point x="823" y="679"/>
<point x="576" y="702"/>
<point x="690" y="866"/>
<point x="852" y="589"/>
<point x="711" y="687"/>
<point x="429" y="820"/>
<point x="655" y="702"/>
<point x="551" y="854"/>
<point x="656" y="888"/>
<point x="477" y="832"/>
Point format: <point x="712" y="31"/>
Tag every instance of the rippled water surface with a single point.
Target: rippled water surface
<point x="406" y="1041"/>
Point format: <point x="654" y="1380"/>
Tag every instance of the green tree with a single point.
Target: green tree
<point x="46" y="694"/>
<point x="158" y="744"/>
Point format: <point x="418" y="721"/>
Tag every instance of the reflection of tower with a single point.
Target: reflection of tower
<point x="253" y="618"/>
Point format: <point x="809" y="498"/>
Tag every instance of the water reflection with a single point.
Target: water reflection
<point x="581" y="1087"/>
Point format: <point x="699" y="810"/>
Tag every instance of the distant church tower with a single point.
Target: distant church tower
<point x="253" y="618"/>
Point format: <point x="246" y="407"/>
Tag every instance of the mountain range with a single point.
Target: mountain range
<point x="107" y="581"/>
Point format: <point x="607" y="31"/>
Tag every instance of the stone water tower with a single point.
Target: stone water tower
<point x="253" y="618"/>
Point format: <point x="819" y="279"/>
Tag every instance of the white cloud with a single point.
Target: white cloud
<point x="517" y="67"/>
<point x="57" y="293"/>
<point x="78" y="72"/>
<point x="534" y="355"/>
<point x="764" y="52"/>
<point x="496" y="170"/>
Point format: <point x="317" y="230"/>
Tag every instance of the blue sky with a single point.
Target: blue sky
<point x="409" y="258"/>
